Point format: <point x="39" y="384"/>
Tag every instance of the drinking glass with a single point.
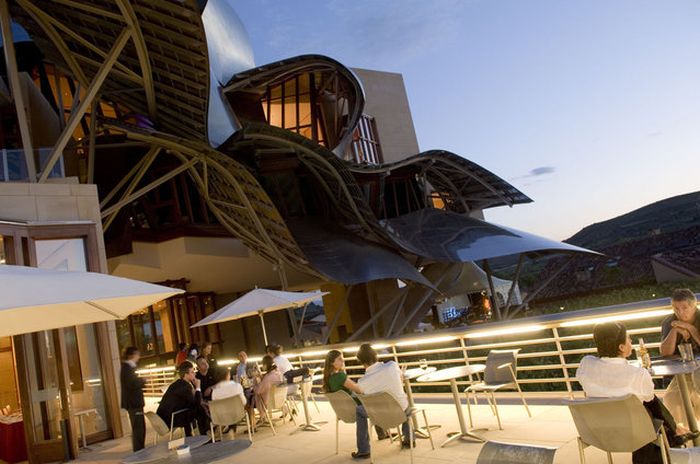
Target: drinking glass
<point x="423" y="364"/>
<point x="686" y="350"/>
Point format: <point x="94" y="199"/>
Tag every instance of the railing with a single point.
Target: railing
<point x="551" y="346"/>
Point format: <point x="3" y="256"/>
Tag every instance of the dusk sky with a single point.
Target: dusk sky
<point x="590" y="108"/>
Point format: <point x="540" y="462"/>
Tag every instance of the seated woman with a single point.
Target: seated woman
<point x="610" y="375"/>
<point x="262" y="390"/>
<point x="334" y="376"/>
<point x="225" y="387"/>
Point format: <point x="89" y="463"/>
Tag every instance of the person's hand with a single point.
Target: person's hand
<point x="197" y="383"/>
<point x="683" y="333"/>
<point x="688" y="328"/>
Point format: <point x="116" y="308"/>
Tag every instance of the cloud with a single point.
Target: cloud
<point x="536" y="172"/>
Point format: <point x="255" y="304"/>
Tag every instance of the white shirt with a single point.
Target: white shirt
<point x="227" y="389"/>
<point x="282" y="363"/>
<point x="384" y="377"/>
<point x="611" y="377"/>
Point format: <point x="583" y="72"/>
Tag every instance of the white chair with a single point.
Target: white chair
<point x="616" y="425"/>
<point x="228" y="411"/>
<point x="384" y="411"/>
<point x="494" y="452"/>
<point x="499" y="374"/>
<point x="345" y="410"/>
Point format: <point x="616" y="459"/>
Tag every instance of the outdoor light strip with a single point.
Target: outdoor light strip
<point x="426" y="341"/>
<point x="618" y="317"/>
<point x="505" y="331"/>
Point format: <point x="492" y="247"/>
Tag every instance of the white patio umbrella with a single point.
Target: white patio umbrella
<point x="33" y="299"/>
<point x="260" y="301"/>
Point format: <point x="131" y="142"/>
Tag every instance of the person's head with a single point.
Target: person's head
<point x="334" y="363"/>
<point x="193" y="351"/>
<point x="131" y="353"/>
<point x="222" y="375"/>
<point x="182" y="346"/>
<point x="202" y="364"/>
<point x="206" y="349"/>
<point x="684" y="304"/>
<point x="274" y="350"/>
<point x="366" y="355"/>
<point x="268" y="364"/>
<point x="242" y="356"/>
<point x="186" y="371"/>
<point x="611" y="340"/>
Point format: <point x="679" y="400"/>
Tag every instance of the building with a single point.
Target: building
<point x="140" y="138"/>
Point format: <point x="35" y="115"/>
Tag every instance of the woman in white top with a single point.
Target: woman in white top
<point x="225" y="387"/>
<point x="610" y="375"/>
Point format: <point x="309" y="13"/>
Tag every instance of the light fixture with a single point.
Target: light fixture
<point x="351" y="349"/>
<point x="505" y="331"/>
<point x="618" y="317"/>
<point x="426" y="341"/>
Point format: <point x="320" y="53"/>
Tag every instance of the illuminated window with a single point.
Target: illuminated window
<point x="365" y="147"/>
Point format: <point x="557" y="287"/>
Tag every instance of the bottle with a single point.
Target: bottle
<point x="644" y="354"/>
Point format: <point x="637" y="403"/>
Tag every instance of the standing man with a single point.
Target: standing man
<point x="132" y="396"/>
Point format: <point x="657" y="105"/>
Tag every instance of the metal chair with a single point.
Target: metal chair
<point x="228" y="411"/>
<point x="616" y="425"/>
<point x="384" y="411"/>
<point x="499" y="374"/>
<point x="345" y="410"/>
<point x="494" y="452"/>
<point x="279" y="402"/>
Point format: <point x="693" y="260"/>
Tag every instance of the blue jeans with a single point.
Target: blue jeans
<point x="362" y="431"/>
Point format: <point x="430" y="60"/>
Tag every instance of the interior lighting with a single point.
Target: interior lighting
<point x="310" y="354"/>
<point x="505" y="331"/>
<point x="426" y="341"/>
<point x="618" y="317"/>
<point x="379" y="346"/>
<point x="351" y="349"/>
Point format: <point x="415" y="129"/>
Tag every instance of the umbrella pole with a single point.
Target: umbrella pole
<point x="262" y="323"/>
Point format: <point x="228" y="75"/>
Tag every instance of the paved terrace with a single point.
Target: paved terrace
<point x="550" y="425"/>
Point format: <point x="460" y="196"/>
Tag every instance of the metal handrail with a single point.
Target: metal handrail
<point x="552" y="346"/>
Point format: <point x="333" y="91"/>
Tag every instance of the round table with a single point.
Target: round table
<point x="408" y="375"/>
<point x="452" y="374"/>
<point x="305" y="387"/>
<point x="680" y="370"/>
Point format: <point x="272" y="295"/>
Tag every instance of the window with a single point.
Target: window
<point x="365" y="146"/>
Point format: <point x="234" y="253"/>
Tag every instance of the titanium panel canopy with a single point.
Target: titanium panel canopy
<point x="446" y="236"/>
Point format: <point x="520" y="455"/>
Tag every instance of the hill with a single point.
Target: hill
<point x="670" y="215"/>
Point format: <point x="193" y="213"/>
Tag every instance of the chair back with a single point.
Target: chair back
<point x="343" y="405"/>
<point x="613" y="424"/>
<point x="227" y="411"/>
<point x="496" y="373"/>
<point x="277" y="396"/>
<point x="383" y="410"/>
<point x="157" y="423"/>
<point x="494" y="452"/>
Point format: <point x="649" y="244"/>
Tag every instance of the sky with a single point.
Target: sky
<point x="592" y="109"/>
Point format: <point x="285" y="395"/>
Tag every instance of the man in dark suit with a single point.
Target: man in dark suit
<point x="184" y="393"/>
<point x="132" y="396"/>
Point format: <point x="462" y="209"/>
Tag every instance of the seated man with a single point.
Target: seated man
<point x="379" y="377"/>
<point x="683" y="326"/>
<point x="610" y="375"/>
<point x="205" y="374"/>
<point x="184" y="393"/>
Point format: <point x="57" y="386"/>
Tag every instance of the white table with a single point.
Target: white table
<point x="409" y="375"/>
<point x="452" y="374"/>
<point x="81" y="422"/>
<point x="309" y="426"/>
<point x="160" y="451"/>
<point x="680" y="370"/>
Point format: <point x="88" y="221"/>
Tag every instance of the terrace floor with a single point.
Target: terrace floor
<point x="550" y="425"/>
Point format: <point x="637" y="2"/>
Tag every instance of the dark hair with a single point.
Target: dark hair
<point x="331" y="356"/>
<point x="684" y="294"/>
<point x="275" y="349"/>
<point x="608" y="338"/>
<point x="366" y="355"/>
<point x="202" y="357"/>
<point x="181" y="346"/>
<point x="184" y="368"/>
<point x="129" y="351"/>
<point x="220" y="374"/>
<point x="268" y="363"/>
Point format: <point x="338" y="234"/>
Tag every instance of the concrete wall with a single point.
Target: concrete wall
<point x="387" y="101"/>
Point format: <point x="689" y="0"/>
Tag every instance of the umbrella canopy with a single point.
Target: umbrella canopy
<point x="258" y="301"/>
<point x="34" y="299"/>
